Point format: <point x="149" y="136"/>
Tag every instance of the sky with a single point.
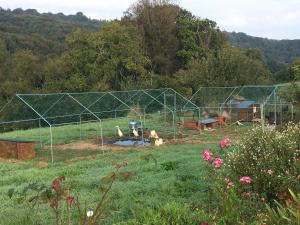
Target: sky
<point x="275" y="19"/>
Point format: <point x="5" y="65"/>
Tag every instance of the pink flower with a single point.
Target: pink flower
<point x="246" y="180"/>
<point x="207" y="155"/>
<point x="298" y="177"/>
<point x="217" y="163"/>
<point x="269" y="171"/>
<point x="225" y="143"/>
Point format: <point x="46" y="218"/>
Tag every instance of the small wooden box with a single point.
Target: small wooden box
<point x="192" y="124"/>
<point x="17" y="149"/>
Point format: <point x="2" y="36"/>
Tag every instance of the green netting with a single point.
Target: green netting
<point x="62" y="108"/>
<point x="59" y="118"/>
<point x="213" y="96"/>
<point x="244" y="103"/>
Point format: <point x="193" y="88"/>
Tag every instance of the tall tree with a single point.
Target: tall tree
<point x="27" y="69"/>
<point x="226" y="67"/>
<point x="108" y="59"/>
<point x="156" y="22"/>
<point x="197" y="37"/>
<point x="120" y="60"/>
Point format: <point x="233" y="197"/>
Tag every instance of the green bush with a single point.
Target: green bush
<point x="169" y="214"/>
<point x="269" y="158"/>
<point x="232" y="208"/>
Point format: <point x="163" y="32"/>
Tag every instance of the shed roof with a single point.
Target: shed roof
<point x="208" y="121"/>
<point x="244" y="104"/>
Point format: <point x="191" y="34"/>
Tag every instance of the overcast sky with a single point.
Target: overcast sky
<point x="277" y="19"/>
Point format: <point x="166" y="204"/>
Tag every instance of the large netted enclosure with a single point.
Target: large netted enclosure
<point x="244" y="104"/>
<point x="58" y="119"/>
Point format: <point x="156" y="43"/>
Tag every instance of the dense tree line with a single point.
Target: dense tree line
<point x="278" y="53"/>
<point x="44" y="33"/>
<point x="155" y="44"/>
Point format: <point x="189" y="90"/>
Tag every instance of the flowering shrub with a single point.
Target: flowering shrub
<point x="266" y="162"/>
<point x="217" y="163"/>
<point x="207" y="155"/>
<point x="246" y="180"/>
<point x="225" y="143"/>
<point x="231" y="207"/>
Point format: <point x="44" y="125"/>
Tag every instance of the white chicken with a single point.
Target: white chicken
<point x="120" y="133"/>
<point x="153" y="134"/>
<point x="158" y="142"/>
<point x="135" y="133"/>
<point x="239" y="123"/>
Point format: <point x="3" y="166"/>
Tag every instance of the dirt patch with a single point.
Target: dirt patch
<point x="10" y="160"/>
<point x="92" y="145"/>
<point x="80" y="145"/>
<point x="42" y="164"/>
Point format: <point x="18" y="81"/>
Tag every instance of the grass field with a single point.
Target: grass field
<point x="177" y="177"/>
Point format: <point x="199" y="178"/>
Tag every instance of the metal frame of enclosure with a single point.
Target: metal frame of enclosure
<point x="265" y="97"/>
<point x="58" y="109"/>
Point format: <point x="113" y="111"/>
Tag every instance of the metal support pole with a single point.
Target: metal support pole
<point x="281" y="113"/>
<point x="51" y="144"/>
<point x="262" y="117"/>
<point x="165" y="109"/>
<point x="101" y="136"/>
<point x="144" y="116"/>
<point x="174" y="127"/>
<point x="220" y="111"/>
<point x="80" y="127"/>
<point x="175" y="113"/>
<point x="199" y="119"/>
<point x="275" y="109"/>
<point x="142" y="129"/>
<point x="41" y="143"/>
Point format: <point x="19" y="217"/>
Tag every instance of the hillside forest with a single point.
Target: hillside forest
<point x="155" y="44"/>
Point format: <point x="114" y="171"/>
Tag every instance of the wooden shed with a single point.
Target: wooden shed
<point x="17" y="149"/>
<point x="248" y="111"/>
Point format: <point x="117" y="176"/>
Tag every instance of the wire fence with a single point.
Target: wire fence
<point x="91" y="115"/>
<point x="62" y="118"/>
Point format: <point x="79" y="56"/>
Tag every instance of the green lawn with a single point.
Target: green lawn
<point x="150" y="186"/>
<point x="69" y="133"/>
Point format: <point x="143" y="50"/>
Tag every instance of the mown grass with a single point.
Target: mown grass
<point x="178" y="176"/>
<point x="149" y="187"/>
<point x="91" y="130"/>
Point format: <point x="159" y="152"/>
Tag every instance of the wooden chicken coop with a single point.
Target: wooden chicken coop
<point x="248" y="111"/>
<point x="17" y="149"/>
